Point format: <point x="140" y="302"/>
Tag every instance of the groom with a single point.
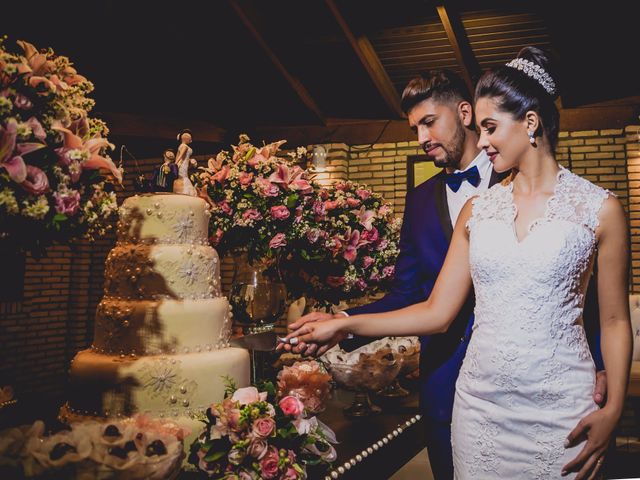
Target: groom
<point x="439" y="110"/>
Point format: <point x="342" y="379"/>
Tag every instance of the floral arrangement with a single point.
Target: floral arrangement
<point x="132" y="449"/>
<point x="344" y="247"/>
<point x="308" y="381"/>
<point x="255" y="197"/>
<point x="51" y="152"/>
<point x="254" y="435"/>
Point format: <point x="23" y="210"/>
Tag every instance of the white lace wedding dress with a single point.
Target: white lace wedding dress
<point x="528" y="376"/>
<point x="185" y="186"/>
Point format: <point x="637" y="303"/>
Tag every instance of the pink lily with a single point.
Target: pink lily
<point x="365" y="217"/>
<point x="291" y="179"/>
<point x="11" y="152"/>
<point x="221" y="175"/>
<point x="92" y="146"/>
<point x="353" y="241"/>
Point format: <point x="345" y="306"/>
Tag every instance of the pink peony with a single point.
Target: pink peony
<point x="280" y="212"/>
<point x="263" y="427"/>
<point x="279" y="240"/>
<point x="37" y="182"/>
<point x="248" y="395"/>
<point x="68" y="202"/>
<point x="367" y="261"/>
<point x="363" y="194"/>
<point x="269" y="464"/>
<point x="291" y="406"/>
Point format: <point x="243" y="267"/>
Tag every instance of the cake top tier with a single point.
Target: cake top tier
<point x="164" y="218"/>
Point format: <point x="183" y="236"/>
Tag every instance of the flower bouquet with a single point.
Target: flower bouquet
<point x="133" y="449"/>
<point x="256" y="198"/>
<point x="256" y="435"/>
<point x="344" y="247"/>
<point x="51" y="152"/>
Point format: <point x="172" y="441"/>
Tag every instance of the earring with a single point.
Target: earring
<point x="532" y="140"/>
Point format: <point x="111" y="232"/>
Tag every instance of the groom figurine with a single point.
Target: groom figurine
<point x="439" y="109"/>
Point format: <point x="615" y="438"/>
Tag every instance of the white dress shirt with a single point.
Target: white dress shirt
<point x="456" y="200"/>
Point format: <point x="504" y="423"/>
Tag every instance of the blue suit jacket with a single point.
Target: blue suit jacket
<point x="424" y="241"/>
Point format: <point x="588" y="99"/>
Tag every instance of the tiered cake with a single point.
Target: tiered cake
<point x="162" y="328"/>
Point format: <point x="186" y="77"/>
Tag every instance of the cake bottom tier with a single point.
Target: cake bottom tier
<point x="167" y="386"/>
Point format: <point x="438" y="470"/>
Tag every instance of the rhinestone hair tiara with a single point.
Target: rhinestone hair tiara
<point x="534" y="71"/>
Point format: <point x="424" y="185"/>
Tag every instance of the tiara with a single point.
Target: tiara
<point x="536" y="72"/>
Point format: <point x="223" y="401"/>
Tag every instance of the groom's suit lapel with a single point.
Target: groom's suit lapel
<point x="442" y="206"/>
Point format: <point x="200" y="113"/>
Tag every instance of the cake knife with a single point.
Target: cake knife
<point x="260" y="342"/>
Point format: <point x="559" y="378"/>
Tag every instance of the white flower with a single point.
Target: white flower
<point x="37" y="209"/>
<point x="8" y="200"/>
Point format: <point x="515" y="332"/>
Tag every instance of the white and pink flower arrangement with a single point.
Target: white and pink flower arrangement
<point x="132" y="449"/>
<point x="256" y="196"/>
<point x="344" y="247"/>
<point x="51" y="152"/>
<point x="254" y="434"/>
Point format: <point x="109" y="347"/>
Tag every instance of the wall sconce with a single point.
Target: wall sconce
<point x="319" y="158"/>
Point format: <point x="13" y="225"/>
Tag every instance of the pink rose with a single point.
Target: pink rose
<point x="68" y="202"/>
<point x="361" y="284"/>
<point x="257" y="448"/>
<point x="251" y="214"/>
<point x="298" y="214"/>
<point x="370" y="235"/>
<point x="353" y="202"/>
<point x="269" y="464"/>
<point x="37" y="182"/>
<point x="367" y="261"/>
<point x="313" y="234"/>
<point x="263" y="427"/>
<point x="324" y="194"/>
<point x="335" y="281"/>
<point x="248" y="395"/>
<point x="245" y="178"/>
<point x="291" y="406"/>
<point x="290" y="474"/>
<point x="266" y="188"/>
<point x="384" y="210"/>
<point x="388" y="271"/>
<point x="331" y="204"/>
<point x="279" y="240"/>
<point x="340" y="186"/>
<point x="280" y="212"/>
<point x="363" y="194"/>
<point x="382" y="245"/>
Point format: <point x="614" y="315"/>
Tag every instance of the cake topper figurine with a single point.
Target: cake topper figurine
<point x="165" y="175"/>
<point x="182" y="184"/>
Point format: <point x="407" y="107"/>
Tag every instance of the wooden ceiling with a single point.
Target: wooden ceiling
<point x="316" y="70"/>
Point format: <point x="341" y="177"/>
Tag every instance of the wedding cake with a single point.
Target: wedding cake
<point x="162" y="329"/>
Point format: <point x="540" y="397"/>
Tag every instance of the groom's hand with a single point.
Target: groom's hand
<point x="600" y="390"/>
<point x="311" y="349"/>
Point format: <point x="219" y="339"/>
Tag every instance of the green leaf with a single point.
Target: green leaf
<point x="292" y="200"/>
<point x="212" y="457"/>
<point x="60" y="217"/>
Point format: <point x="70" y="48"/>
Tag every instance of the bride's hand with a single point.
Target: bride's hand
<point x="596" y="428"/>
<point x="322" y="331"/>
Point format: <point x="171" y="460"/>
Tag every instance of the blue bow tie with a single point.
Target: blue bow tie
<point x="454" y="180"/>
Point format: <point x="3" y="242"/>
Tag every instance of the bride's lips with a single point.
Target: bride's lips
<point x="492" y="156"/>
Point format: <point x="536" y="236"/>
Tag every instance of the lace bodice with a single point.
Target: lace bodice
<point x="528" y="367"/>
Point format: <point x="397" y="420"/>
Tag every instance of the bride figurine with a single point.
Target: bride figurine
<point x="182" y="184"/>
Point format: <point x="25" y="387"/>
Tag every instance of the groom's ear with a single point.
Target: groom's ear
<point x="465" y="112"/>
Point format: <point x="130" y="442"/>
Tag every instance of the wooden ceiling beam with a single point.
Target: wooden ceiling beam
<point x="370" y="61"/>
<point x="460" y="43"/>
<point x="295" y="84"/>
<point x="166" y="128"/>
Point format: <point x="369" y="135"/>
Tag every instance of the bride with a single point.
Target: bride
<point x="183" y="159"/>
<point x="523" y="402"/>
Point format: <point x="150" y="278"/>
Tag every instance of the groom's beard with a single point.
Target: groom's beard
<point x="452" y="150"/>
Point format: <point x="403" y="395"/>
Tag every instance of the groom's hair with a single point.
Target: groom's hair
<point x="440" y="85"/>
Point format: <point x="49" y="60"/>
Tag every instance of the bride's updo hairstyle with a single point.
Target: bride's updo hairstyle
<point x="526" y="83"/>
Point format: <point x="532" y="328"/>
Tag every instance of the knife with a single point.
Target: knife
<point x="260" y="342"/>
